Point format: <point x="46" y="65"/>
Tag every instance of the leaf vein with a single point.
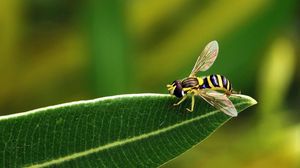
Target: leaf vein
<point x="121" y="142"/>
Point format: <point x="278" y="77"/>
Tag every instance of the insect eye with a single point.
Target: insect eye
<point x="178" y="90"/>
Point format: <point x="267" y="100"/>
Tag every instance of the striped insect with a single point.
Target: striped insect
<point x="215" y="89"/>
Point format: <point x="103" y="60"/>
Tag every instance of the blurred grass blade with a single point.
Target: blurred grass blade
<point x="139" y="130"/>
<point x="104" y="21"/>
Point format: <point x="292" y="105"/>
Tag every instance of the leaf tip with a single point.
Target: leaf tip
<point x="251" y="101"/>
<point x="242" y="102"/>
<point x="247" y="98"/>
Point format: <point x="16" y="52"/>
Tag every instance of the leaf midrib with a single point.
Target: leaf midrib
<point x="120" y="142"/>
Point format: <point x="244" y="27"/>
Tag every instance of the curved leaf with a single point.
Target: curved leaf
<point x="138" y="130"/>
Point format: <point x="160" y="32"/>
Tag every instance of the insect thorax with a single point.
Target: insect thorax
<point x="190" y="82"/>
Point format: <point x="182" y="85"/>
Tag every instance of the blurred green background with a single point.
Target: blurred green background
<point x="56" y="51"/>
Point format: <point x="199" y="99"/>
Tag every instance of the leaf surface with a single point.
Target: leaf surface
<point x="135" y="130"/>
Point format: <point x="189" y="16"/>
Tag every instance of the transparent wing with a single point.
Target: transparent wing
<point x="220" y="101"/>
<point x="206" y="58"/>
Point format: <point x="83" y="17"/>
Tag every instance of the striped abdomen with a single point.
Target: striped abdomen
<point x="216" y="82"/>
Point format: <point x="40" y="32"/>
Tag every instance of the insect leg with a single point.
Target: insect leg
<point x="227" y="93"/>
<point x="236" y="92"/>
<point x="193" y="104"/>
<point x="183" y="99"/>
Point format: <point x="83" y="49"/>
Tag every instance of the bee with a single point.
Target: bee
<point x="215" y="89"/>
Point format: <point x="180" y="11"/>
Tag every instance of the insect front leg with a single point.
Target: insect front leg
<point x="183" y="99"/>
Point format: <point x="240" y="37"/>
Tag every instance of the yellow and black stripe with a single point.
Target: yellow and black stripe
<point x="216" y="82"/>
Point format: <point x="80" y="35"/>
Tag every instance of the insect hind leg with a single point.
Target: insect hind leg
<point x="192" y="104"/>
<point x="234" y="92"/>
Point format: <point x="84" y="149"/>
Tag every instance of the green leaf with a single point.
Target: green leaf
<point x="138" y="130"/>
